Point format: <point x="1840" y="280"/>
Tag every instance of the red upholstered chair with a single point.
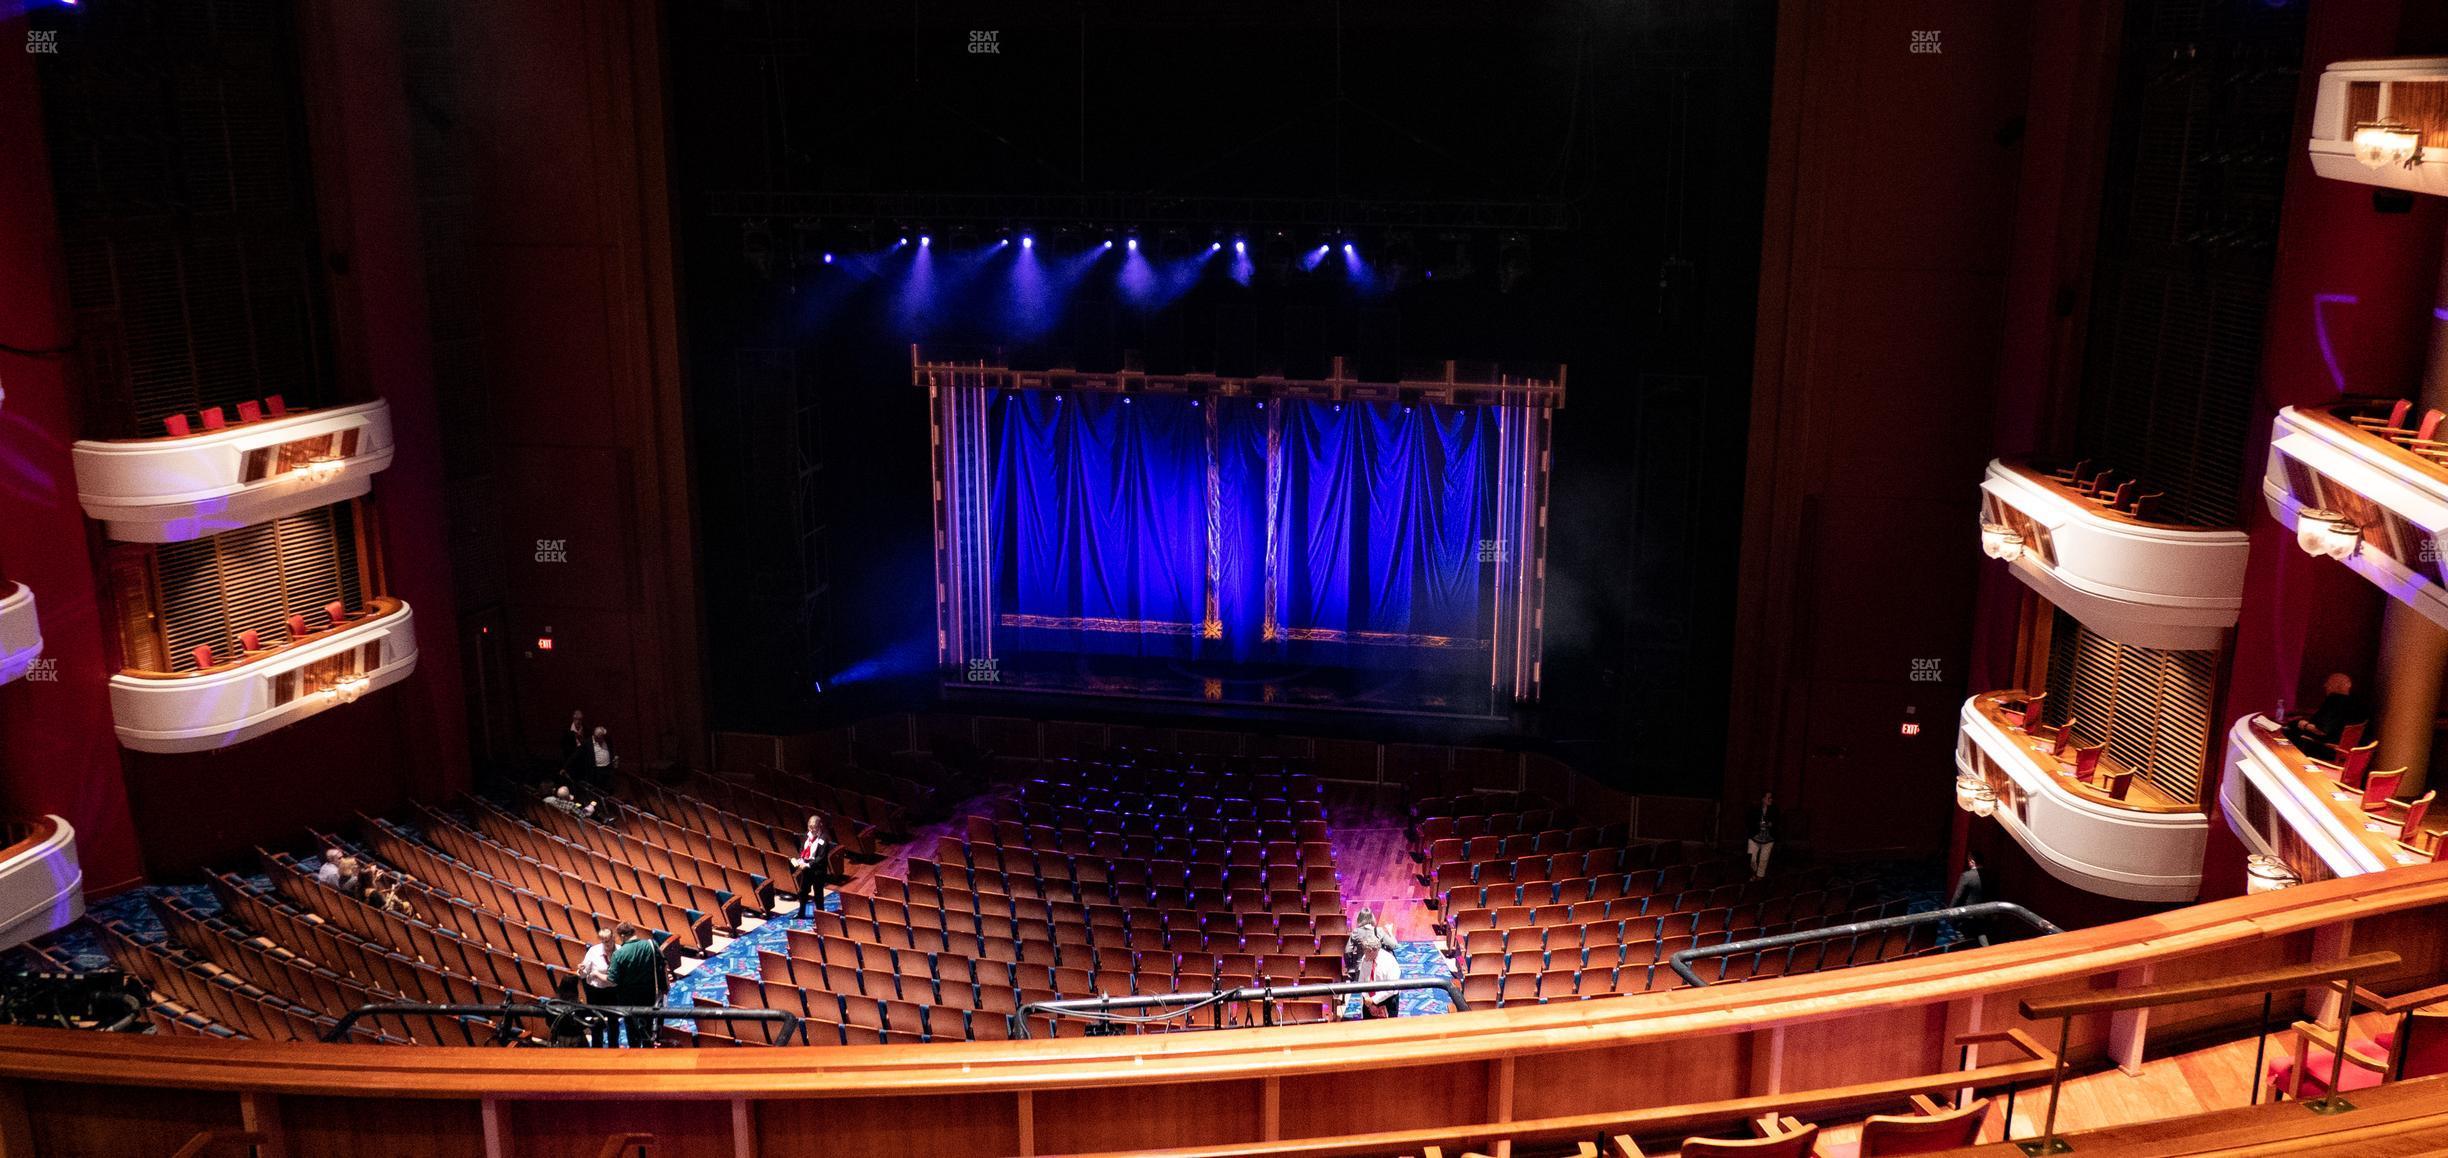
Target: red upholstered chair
<point x="2429" y="430"/>
<point x="2031" y="710"/>
<point x="249" y="640"/>
<point x="203" y="656"/>
<point x="2416" y="1046"/>
<point x="336" y="612"/>
<point x="277" y="406"/>
<point x="2352" y="769"/>
<point x="2062" y="737"/>
<point x="2379" y="788"/>
<point x="2117" y="784"/>
<point x="250" y="412"/>
<point x="297" y="626"/>
<point x="2409" y="826"/>
<point x="213" y="419"/>
<point x="177" y="425"/>
<point x="2086" y="760"/>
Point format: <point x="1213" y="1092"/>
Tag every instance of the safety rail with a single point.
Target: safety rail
<point x="2266" y="982"/>
<point x="1681" y="961"/>
<point x="1104" y="1009"/>
<point x="586" y="1016"/>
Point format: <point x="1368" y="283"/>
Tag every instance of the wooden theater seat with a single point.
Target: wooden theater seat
<point x="1933" y="1128"/>
<point x="1775" y="1141"/>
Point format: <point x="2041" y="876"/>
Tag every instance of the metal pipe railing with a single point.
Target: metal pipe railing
<point x="591" y="1016"/>
<point x="1681" y="961"/>
<point x="1108" y="1009"/>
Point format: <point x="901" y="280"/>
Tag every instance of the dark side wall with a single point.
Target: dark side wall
<point x="1891" y="216"/>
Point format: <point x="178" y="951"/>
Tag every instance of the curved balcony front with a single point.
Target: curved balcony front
<point x="20" y="634"/>
<point x="42" y="887"/>
<point x="167" y="490"/>
<point x="2281" y="802"/>
<point x="2135" y="580"/>
<point x="2145" y="847"/>
<point x="2373" y="504"/>
<point x="268" y="690"/>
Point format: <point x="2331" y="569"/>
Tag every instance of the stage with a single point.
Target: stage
<point x="1319" y="544"/>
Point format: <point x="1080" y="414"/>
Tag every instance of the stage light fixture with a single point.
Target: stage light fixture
<point x="1027" y="242"/>
<point x="1132" y="245"/>
<point x="1240" y="246"/>
<point x="828" y="259"/>
<point x="925" y="241"/>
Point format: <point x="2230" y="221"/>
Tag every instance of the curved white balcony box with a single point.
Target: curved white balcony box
<point x="2093" y="845"/>
<point x="42" y="887"/>
<point x="2318" y="461"/>
<point x="165" y="490"/>
<point x="2138" y="582"/>
<point x="2270" y="806"/>
<point x="20" y="634"/>
<point x="219" y="707"/>
<point x="2364" y="126"/>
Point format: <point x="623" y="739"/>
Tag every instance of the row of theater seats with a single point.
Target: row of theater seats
<point x="1182" y="805"/>
<point x="227" y="998"/>
<point x="1648" y="919"/>
<point x="856" y="943"/>
<point x="2104" y="487"/>
<point x="1040" y="841"/>
<point x="1525" y="975"/>
<point x="211" y="417"/>
<point x="501" y="881"/>
<point x="548" y="866"/>
<point x="249" y="644"/>
<point x="2422" y="439"/>
<point x="1048" y="940"/>
<point x="648" y="842"/>
<point x="1135" y="880"/>
<point x="1931" y="1128"/>
<point x="749" y="816"/>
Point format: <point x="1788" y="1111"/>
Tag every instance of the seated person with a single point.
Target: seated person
<point x="563" y="800"/>
<point x="2340" y="707"/>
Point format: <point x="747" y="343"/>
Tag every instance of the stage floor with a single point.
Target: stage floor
<point x="1413" y="691"/>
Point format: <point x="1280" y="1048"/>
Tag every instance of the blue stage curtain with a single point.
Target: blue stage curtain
<point x="1101" y="504"/>
<point x="1345" y="533"/>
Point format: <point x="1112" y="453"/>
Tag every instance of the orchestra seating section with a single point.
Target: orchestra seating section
<point x="1129" y="871"/>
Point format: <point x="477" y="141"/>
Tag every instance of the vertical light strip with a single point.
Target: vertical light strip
<point x="1272" y="628"/>
<point x="1213" y="626"/>
<point x="1502" y="534"/>
<point x="981" y="463"/>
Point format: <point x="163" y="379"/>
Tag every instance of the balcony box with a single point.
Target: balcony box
<point x="2138" y="849"/>
<point x="2400" y="101"/>
<point x="2278" y="803"/>
<point x="20" y="635"/>
<point x="42" y="887"/>
<point x="236" y="702"/>
<point x="2320" y="460"/>
<point x="166" y="490"/>
<point x="2139" y="582"/>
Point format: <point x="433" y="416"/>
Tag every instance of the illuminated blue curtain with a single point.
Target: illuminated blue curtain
<point x="1101" y="507"/>
<point x="1348" y="533"/>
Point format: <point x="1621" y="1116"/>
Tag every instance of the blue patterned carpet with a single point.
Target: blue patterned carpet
<point x="1419" y="959"/>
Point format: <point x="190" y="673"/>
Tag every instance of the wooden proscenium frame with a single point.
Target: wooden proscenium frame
<point x="958" y="393"/>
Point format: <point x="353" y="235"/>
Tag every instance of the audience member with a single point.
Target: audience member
<point x="2341" y="706"/>
<point x="352" y="874"/>
<point x="1361" y="943"/>
<point x="329" y="873"/>
<point x="1968" y="891"/>
<point x="595" y="976"/>
<point x="813" y="864"/>
<point x="1383" y="965"/>
<point x="563" y="800"/>
<point x="599" y="758"/>
<point x="637" y="979"/>
<point x="573" y="742"/>
<point x="1763" y="834"/>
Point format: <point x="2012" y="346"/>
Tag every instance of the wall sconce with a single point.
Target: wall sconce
<point x="2264" y="873"/>
<point x="348" y="688"/>
<point x="1999" y="541"/>
<point x="1973" y="794"/>
<point x="321" y="469"/>
<point x="2382" y="144"/>
<point x="2320" y="531"/>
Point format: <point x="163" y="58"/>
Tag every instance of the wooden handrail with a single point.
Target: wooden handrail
<point x="2375" y="1003"/>
<point x="2036" y="1062"/>
<point x="2178" y="992"/>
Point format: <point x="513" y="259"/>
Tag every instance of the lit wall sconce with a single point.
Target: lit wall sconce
<point x="322" y="469"/>
<point x="2320" y="531"/>
<point x="2264" y="873"/>
<point x="2382" y="144"/>
<point x="348" y="688"/>
<point x="1973" y="794"/>
<point x="1999" y="541"/>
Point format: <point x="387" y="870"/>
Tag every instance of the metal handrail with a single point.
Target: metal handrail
<point x="1681" y="961"/>
<point x="592" y="1015"/>
<point x="1108" y="1008"/>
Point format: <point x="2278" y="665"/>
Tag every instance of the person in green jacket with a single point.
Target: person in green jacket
<point x="637" y="979"/>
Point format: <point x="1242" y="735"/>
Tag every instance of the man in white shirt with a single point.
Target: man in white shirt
<point x="329" y="874"/>
<point x="600" y="756"/>
<point x="1383" y="965"/>
<point x="595" y="981"/>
